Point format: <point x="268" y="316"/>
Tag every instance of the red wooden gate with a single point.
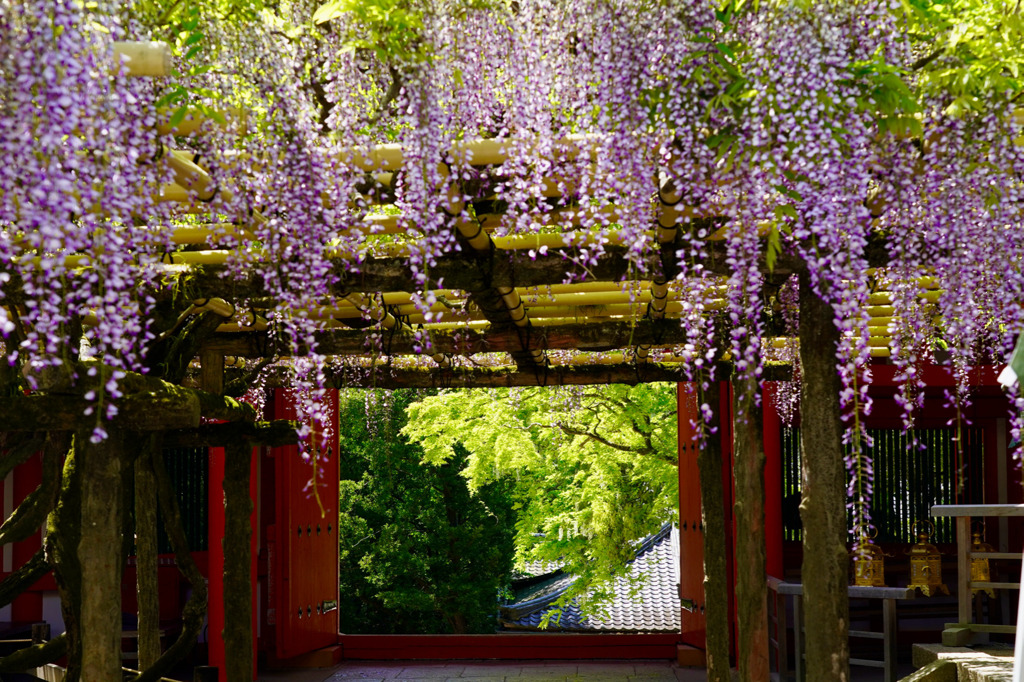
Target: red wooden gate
<point x="303" y="547"/>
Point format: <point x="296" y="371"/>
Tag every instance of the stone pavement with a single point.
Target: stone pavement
<point x="493" y="671"/>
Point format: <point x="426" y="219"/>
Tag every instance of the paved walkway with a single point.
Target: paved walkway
<point x="494" y="671"/>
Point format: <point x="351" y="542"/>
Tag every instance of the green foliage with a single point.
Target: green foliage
<point x="389" y="28"/>
<point x="420" y="553"/>
<point x="184" y="25"/>
<point x="595" y="468"/>
<point x="887" y="95"/>
<point x="970" y="49"/>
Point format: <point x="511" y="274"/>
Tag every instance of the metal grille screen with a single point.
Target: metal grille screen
<point x="913" y="471"/>
<point x="187" y="469"/>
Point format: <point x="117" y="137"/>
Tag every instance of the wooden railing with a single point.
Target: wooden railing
<point x="780" y="592"/>
<point x="963" y="632"/>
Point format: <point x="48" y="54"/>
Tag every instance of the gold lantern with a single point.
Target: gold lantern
<point x="868" y="561"/>
<point x="980" y="572"/>
<point x="926" y="562"/>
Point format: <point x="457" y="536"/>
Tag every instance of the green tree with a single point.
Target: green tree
<point x="420" y="552"/>
<point x="595" y="468"/>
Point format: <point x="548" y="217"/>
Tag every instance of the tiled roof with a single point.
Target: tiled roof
<point x="652" y="608"/>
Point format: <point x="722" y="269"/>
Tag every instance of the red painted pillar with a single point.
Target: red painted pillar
<point x="772" y="430"/>
<point x="254" y="550"/>
<point x="215" y="603"/>
<point x="215" y="608"/>
<point x="691" y="547"/>
<point x="691" y="535"/>
<point x="28" y="606"/>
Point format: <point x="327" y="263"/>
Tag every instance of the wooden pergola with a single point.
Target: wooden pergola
<point x="505" y="316"/>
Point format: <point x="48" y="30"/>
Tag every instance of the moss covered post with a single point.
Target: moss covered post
<point x="238" y="628"/>
<point x="84" y="543"/>
<point x="823" y="506"/>
<point x="236" y="588"/>
<point x="712" y="494"/>
<point x="751" y="576"/>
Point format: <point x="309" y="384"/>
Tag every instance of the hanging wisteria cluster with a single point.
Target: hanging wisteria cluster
<point x="779" y="129"/>
<point x="78" y="221"/>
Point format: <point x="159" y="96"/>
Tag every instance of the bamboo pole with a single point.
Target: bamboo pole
<point x="196" y="120"/>
<point x="150" y="59"/>
<point x="189" y="176"/>
<point x="669" y="213"/>
<point x="482" y="243"/>
<point x="209" y="234"/>
<point x="477" y="152"/>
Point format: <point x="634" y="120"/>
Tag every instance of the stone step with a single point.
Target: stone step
<point x="983" y="663"/>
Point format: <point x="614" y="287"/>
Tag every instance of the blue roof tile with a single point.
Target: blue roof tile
<point x="654" y="607"/>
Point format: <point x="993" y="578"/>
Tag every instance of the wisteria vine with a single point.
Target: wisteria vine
<point x="781" y="130"/>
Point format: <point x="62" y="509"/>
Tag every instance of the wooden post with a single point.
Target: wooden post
<point x="238" y="628"/>
<point x="716" y="589"/>
<point x="751" y="575"/>
<point x="211" y="377"/>
<point x="1018" y="638"/>
<point x="693" y="624"/>
<point x="781" y="634"/>
<point x="890" y="627"/>
<point x="823" y="507"/>
<point x="146" y="565"/>
<point x="99" y="555"/>
<point x="963" y="569"/>
<point x="212" y="381"/>
<point x="799" y="663"/>
<point x="772" y="440"/>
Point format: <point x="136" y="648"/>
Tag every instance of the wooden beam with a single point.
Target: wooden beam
<point x="455" y="271"/>
<point x="498" y="268"/>
<point x="177" y="409"/>
<point x="273" y="434"/>
<point x="553" y="375"/>
<point x="211" y="377"/>
<point x="593" y="337"/>
<point x="66" y="413"/>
